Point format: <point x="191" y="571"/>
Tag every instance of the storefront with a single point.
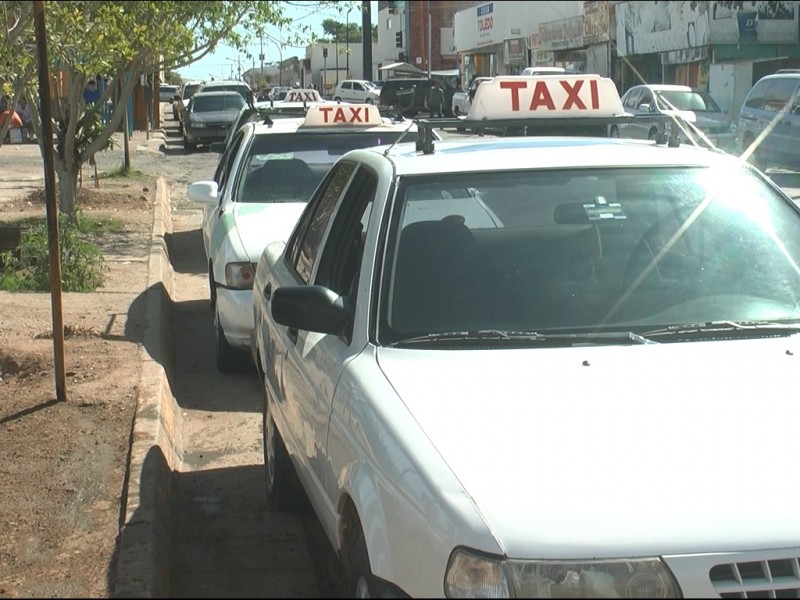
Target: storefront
<point x="749" y="41"/>
<point x="493" y="38"/>
<point x="662" y="42"/>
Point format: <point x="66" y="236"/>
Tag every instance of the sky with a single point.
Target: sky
<point x="225" y="59"/>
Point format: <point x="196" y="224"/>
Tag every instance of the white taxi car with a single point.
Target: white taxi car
<point x="266" y="175"/>
<point x="589" y="394"/>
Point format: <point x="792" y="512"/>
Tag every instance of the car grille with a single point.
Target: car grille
<point x="758" y="579"/>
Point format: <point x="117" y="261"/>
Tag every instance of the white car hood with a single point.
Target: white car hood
<point x="617" y="451"/>
<point x="260" y="224"/>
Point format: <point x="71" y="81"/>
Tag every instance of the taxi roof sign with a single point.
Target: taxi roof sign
<point x="304" y="95"/>
<point x="338" y="115"/>
<point x="546" y="97"/>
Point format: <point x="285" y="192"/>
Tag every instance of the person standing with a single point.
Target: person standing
<point x="436" y="100"/>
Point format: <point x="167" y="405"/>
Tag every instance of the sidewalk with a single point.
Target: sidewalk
<point x="23" y="166"/>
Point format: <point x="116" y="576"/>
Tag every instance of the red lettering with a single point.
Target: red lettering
<point x="572" y="95"/>
<point x="325" y="110"/>
<point x="542" y="97"/>
<point x="593" y="90"/>
<point x="515" y="87"/>
<point x="355" y="115"/>
<point x="339" y="117"/>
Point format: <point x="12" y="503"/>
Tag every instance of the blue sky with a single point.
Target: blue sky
<point x="224" y="57"/>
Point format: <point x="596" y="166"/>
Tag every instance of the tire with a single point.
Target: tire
<point x="189" y="146"/>
<point x="614" y="133"/>
<point x="212" y="290"/>
<point x="282" y="486"/>
<point x="360" y="581"/>
<point x="229" y="359"/>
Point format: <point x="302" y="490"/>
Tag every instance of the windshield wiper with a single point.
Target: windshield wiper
<point x="726" y="328"/>
<point x="554" y="339"/>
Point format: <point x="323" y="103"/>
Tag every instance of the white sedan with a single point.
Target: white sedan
<point x="572" y="378"/>
<point x="265" y="177"/>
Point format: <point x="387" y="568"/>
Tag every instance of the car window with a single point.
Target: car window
<point x="305" y="246"/>
<point x="626" y="249"/>
<point x="631" y="98"/>
<point x="203" y="103"/>
<point x="646" y="97"/>
<point x="779" y="94"/>
<point x="227" y="159"/>
<point x="288" y="167"/>
<point x="358" y="87"/>
<point x="190" y="90"/>
<point x="686" y="100"/>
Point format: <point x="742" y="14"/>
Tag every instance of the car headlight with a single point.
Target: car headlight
<point x="240" y="275"/>
<point x="197" y="124"/>
<point x="474" y="576"/>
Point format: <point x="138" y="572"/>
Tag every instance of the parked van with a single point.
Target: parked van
<point x="773" y="105"/>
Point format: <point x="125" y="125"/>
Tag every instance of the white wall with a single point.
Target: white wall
<point x="729" y="83"/>
<point x="509" y="20"/>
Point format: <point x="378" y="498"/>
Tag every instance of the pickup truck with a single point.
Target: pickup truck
<point x="461" y="100"/>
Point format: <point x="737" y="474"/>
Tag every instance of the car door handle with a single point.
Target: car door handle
<point x="268" y="291"/>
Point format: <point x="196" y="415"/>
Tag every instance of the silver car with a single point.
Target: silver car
<point x="694" y="106"/>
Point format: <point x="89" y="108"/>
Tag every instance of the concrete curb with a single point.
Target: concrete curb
<point x="143" y="563"/>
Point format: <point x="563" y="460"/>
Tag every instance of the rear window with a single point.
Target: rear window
<point x="288" y="167"/>
<point x="202" y="103"/>
<point x="243" y="90"/>
<point x="190" y="90"/>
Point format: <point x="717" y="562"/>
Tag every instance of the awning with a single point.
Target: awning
<point x="447" y="73"/>
<point x="403" y="67"/>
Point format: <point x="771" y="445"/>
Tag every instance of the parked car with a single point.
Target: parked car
<point x="552" y="403"/>
<point x="268" y="173"/>
<point x="406" y="97"/>
<point x="187" y="90"/>
<point x="694" y="106"/>
<point x="360" y="91"/>
<point x="772" y="109"/>
<point x="166" y="93"/>
<point x="209" y="116"/>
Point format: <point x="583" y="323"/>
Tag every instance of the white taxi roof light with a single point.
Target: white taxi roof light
<point x="546" y="97"/>
<point x="338" y="115"/>
<point x="303" y="95"/>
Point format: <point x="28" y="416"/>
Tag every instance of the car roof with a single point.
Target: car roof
<point x="785" y="75"/>
<point x="667" y="87"/>
<point x="523" y="153"/>
<point x="295" y="125"/>
<point x="218" y="93"/>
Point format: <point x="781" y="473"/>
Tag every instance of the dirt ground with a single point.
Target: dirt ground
<point x="62" y="464"/>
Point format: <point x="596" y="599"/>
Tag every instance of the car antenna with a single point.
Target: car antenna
<point x="399" y="138"/>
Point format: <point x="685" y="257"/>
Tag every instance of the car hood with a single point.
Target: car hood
<point x="620" y="450"/>
<point x="215" y="116"/>
<point x="260" y="224"/>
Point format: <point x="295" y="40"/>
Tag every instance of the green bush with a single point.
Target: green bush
<point x="82" y="264"/>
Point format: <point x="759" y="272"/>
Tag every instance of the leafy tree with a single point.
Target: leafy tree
<point x="343" y="33"/>
<point x="118" y="41"/>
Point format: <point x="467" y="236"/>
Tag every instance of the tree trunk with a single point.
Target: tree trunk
<point x="67" y="186"/>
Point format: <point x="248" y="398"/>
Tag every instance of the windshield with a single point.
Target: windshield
<point x="288" y="167"/>
<point x="686" y="100"/>
<point x="625" y="249"/>
<point x="210" y="103"/>
<point x="369" y="85"/>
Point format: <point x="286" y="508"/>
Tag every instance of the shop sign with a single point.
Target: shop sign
<point x="561" y="35"/>
<point x="485" y="23"/>
<point x="758" y="22"/>
<point x="596" y="22"/>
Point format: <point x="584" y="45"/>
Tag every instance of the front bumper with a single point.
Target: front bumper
<point x="206" y="135"/>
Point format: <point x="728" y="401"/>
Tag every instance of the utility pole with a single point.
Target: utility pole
<point x="347" y="42"/>
<point x="429" y="38"/>
<point x="366" y="38"/>
<point x="261" y="56"/>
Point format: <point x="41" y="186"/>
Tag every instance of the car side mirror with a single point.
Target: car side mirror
<point x="203" y="191"/>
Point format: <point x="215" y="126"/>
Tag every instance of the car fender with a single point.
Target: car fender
<point x="225" y="245"/>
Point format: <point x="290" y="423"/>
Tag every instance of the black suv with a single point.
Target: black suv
<point x="406" y="97"/>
